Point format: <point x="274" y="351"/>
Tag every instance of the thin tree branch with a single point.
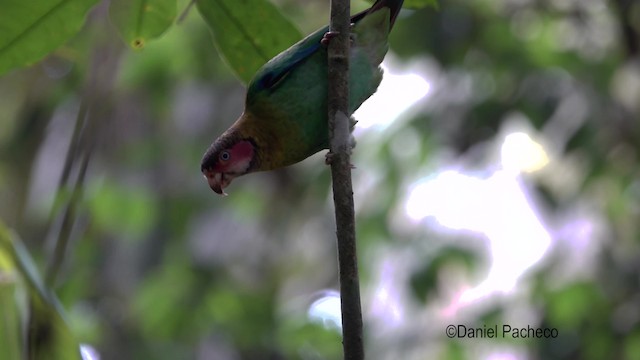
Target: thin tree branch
<point x="67" y="219"/>
<point x="81" y="145"/>
<point x="340" y="149"/>
<point x="62" y="243"/>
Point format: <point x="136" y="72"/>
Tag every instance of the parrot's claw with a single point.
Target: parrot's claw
<point x="328" y="36"/>
<point x="332" y="34"/>
<point x="328" y="159"/>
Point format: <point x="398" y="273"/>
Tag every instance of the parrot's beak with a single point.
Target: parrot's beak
<point x="217" y="181"/>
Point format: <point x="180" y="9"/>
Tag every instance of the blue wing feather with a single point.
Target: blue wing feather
<point x="277" y="68"/>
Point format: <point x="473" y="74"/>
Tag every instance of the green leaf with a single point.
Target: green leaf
<point x="139" y="21"/>
<point x="247" y="33"/>
<point x="51" y="337"/>
<point x="29" y="30"/>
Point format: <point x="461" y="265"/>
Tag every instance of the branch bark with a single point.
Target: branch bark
<point x="340" y="149"/>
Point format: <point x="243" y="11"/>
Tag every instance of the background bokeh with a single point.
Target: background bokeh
<point x="496" y="182"/>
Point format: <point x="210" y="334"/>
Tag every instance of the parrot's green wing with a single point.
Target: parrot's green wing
<point x="287" y="98"/>
<point x="285" y="115"/>
<point x="268" y="77"/>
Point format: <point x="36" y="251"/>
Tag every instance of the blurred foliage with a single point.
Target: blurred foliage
<point x="141" y="20"/>
<point x="100" y="145"/>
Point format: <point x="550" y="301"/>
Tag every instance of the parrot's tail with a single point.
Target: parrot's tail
<point x="393" y="5"/>
<point x="394" y="8"/>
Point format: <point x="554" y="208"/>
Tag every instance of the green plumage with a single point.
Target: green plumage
<point x="297" y="103"/>
<point x="285" y="115"/>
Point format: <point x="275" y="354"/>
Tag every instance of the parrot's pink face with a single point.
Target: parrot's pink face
<point x="228" y="164"/>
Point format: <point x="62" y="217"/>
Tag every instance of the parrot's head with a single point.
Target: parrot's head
<point x="227" y="159"/>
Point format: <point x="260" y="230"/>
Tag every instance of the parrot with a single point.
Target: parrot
<point x="285" y="115"/>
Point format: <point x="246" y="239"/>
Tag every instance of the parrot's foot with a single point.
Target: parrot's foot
<point x="332" y="34"/>
<point x="328" y="159"/>
<point x="328" y="36"/>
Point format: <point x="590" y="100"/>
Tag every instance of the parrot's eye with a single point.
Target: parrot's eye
<point x="225" y="156"/>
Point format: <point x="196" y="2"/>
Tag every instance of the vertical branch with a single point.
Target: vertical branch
<point x="68" y="218"/>
<point x="340" y="149"/>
